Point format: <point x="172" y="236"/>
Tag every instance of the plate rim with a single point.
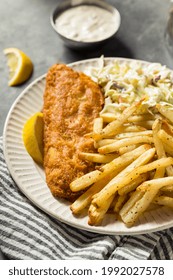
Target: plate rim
<point x="94" y="229"/>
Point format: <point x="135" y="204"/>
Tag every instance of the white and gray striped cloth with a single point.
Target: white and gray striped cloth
<point x="28" y="233"/>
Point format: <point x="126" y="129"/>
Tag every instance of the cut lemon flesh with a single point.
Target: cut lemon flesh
<point x="33" y="137"/>
<point x="20" y="66"/>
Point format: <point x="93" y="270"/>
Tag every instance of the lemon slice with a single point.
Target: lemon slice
<point x="20" y="66"/>
<point x="33" y="137"/>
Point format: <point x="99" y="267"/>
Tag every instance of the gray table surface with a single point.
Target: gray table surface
<point x="26" y="25"/>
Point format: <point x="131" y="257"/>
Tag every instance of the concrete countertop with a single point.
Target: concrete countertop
<point x="26" y="25"/>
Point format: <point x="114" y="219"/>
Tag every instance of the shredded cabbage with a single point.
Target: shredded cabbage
<point x="124" y="82"/>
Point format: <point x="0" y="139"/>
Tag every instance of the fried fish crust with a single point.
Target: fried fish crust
<point x="72" y="101"/>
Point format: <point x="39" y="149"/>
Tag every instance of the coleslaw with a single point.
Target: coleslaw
<point x="124" y="82"/>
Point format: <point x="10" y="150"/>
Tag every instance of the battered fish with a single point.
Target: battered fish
<point x="71" y="102"/>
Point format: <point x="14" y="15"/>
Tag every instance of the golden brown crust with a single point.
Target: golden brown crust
<point x="71" y="102"/>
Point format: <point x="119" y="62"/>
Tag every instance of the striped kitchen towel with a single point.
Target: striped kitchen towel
<point x="28" y="233"/>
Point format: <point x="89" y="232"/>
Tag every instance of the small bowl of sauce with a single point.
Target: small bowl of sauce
<point x="85" y="23"/>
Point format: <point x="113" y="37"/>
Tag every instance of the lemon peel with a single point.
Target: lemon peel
<point x="33" y="137"/>
<point x="20" y="66"/>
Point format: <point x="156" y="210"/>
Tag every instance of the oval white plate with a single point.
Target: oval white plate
<point x="30" y="177"/>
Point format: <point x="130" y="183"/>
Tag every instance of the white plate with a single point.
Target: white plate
<point x="30" y="177"/>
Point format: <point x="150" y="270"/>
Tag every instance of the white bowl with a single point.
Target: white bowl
<point x="68" y="4"/>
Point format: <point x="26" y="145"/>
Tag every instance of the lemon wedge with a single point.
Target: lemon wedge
<point x="20" y="66"/>
<point x="33" y="137"/>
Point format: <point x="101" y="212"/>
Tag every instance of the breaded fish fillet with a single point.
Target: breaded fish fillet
<point x="71" y="102"/>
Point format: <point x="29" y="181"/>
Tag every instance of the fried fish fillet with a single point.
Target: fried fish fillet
<point x="71" y="102"/>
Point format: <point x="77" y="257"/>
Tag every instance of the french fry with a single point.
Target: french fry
<point x="113" y="203"/>
<point x="149" y="189"/>
<point x="164" y="146"/>
<point x="118" y="163"/>
<point x="166" y="138"/>
<point x="168" y="149"/>
<point x="127" y="158"/>
<point x="84" y="200"/>
<point x="164" y="201"/>
<point x="85" y="180"/>
<point x="165" y="111"/>
<point x="139" y="207"/>
<point x="127" y="149"/>
<point x="146" y="124"/>
<point x="156" y="184"/>
<point x="132" y="128"/>
<point x="122" y="178"/>
<point x="130" y="173"/>
<point x="113" y="127"/>
<point x="157" y="141"/>
<point x="109" y="117"/>
<point x="121" y="200"/>
<point x="98" y="125"/>
<point x="160" y="163"/>
<point x="128" y="127"/>
<point x="168" y="189"/>
<point x="146" y="193"/>
<point x="160" y="172"/>
<point x="125" y="142"/>
<point x="136" y="196"/>
<point x="167" y="127"/>
<point x="96" y="215"/>
<point x="94" y="157"/>
<point x="159" y="146"/>
<point x="133" y="134"/>
<point x="169" y="170"/>
<point x="141" y="118"/>
<point x="104" y="142"/>
<point x="134" y="184"/>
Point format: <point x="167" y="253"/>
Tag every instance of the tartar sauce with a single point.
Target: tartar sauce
<point x="87" y="23"/>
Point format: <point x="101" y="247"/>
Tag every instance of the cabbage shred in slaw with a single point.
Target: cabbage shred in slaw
<point x="126" y="81"/>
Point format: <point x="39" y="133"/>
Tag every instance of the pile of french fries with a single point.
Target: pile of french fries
<point x="134" y="171"/>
